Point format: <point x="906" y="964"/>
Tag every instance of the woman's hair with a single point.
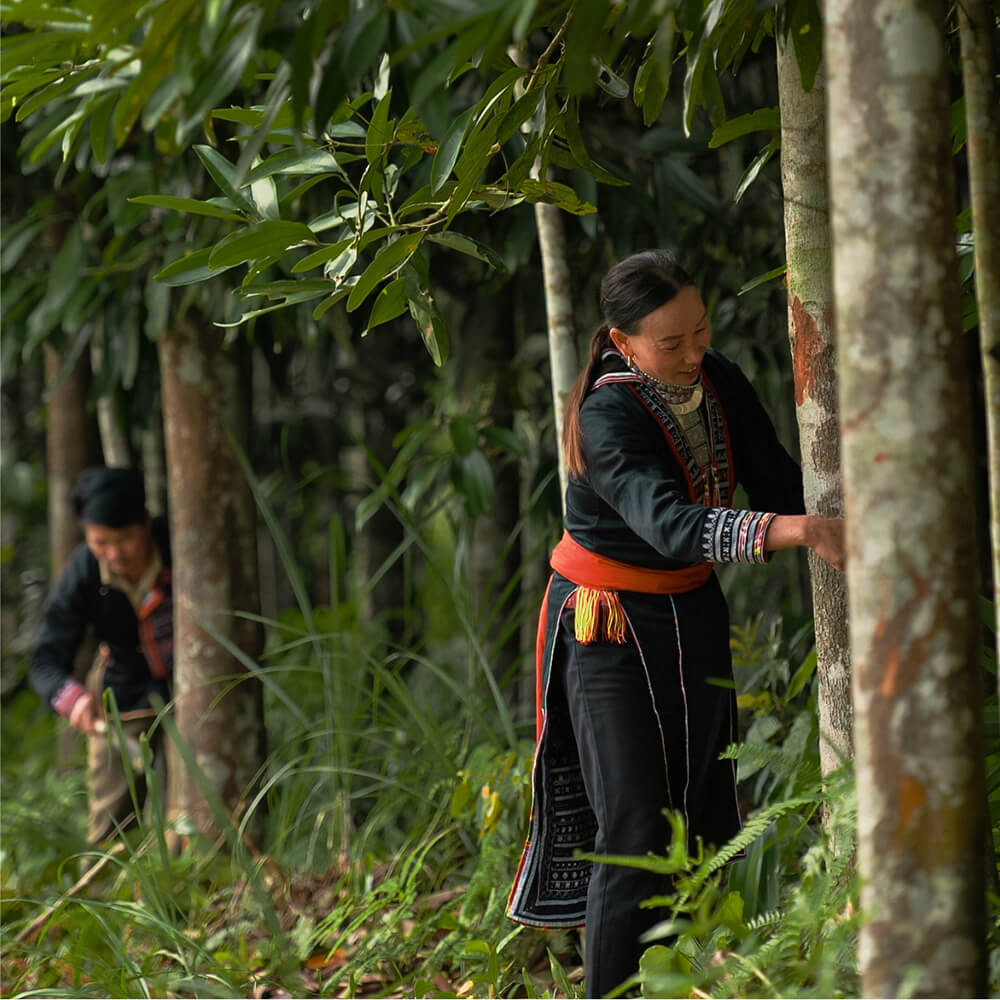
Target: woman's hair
<point x="630" y="291"/>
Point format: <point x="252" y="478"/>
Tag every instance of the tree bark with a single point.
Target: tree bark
<point x="976" y="28"/>
<point x="911" y="571"/>
<point x="218" y="703"/>
<point x="114" y="440"/>
<point x="814" y="356"/>
<point x="72" y="444"/>
<point x="559" y="310"/>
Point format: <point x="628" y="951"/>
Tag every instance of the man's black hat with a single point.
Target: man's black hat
<point x="113" y="498"/>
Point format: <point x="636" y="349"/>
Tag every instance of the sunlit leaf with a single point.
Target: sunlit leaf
<point x="761" y="120"/>
<point x="388" y="259"/>
<point x="389" y="303"/>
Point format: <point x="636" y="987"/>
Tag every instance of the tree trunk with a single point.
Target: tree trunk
<point x="71" y="444"/>
<point x="976" y="25"/>
<point x="810" y="331"/>
<point x="559" y="309"/>
<point x="218" y="703"/>
<point x="114" y="440"/>
<point x="908" y="480"/>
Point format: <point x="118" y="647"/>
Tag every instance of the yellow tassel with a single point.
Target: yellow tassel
<point x="588" y="616"/>
<point x="588" y="611"/>
<point x="616" y="618"/>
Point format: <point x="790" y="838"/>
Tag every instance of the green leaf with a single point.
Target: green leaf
<point x="291" y="300"/>
<point x="584" y="39"/>
<point x="389" y="303"/>
<point x="447" y="152"/>
<point x="294" y="161"/>
<point x="231" y="62"/>
<point x="652" y="81"/>
<point x="700" y="62"/>
<point x="557" y="194"/>
<point x="806" y="28"/>
<point x="285" y="287"/>
<point x="464" y="435"/>
<point x="506" y="440"/>
<point x="391" y="256"/>
<point x="100" y="126"/>
<point x="379" y="136"/>
<point x="430" y="323"/>
<point x="473" y="478"/>
<point x="333" y="299"/>
<point x="223" y="173"/>
<point x="467" y="245"/>
<point x="762" y="279"/>
<point x="759" y="161"/>
<point x="522" y="109"/>
<point x="331" y="252"/>
<point x="570" y="122"/>
<point x="801" y="677"/>
<point x="62" y="279"/>
<point x="265" y="195"/>
<point x="255" y="117"/>
<point x="265" y="239"/>
<point x="761" y="120"/>
<point x="192" y="205"/>
<point x="16" y="239"/>
<point x="190" y="268"/>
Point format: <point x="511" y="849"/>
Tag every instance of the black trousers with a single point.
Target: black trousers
<point x="648" y="728"/>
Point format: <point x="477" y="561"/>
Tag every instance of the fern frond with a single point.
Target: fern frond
<point x="769" y="919"/>
<point x="755" y="827"/>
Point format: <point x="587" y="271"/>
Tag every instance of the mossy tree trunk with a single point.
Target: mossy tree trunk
<point x="218" y="703"/>
<point x="814" y="355"/>
<point x="908" y="488"/>
<point x="977" y="29"/>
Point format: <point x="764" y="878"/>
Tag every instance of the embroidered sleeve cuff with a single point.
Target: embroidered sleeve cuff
<point x="735" y="536"/>
<point x="67" y="696"/>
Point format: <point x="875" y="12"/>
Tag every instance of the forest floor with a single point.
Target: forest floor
<point x="419" y="959"/>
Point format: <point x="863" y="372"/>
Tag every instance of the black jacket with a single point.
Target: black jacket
<point x="80" y="600"/>
<point x="634" y="502"/>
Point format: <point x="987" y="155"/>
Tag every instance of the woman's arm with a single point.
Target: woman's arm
<point x="824" y="535"/>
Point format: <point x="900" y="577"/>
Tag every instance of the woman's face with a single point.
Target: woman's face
<point x="671" y="341"/>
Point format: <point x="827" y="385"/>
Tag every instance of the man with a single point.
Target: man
<point x="117" y="583"/>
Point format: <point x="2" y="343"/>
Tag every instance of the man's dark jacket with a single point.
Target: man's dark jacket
<point x="80" y="600"/>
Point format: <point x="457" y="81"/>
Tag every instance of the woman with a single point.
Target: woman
<point x="659" y="430"/>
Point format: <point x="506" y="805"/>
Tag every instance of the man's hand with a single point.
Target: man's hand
<point x="87" y="715"/>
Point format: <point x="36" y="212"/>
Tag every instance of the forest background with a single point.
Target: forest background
<point x="289" y="258"/>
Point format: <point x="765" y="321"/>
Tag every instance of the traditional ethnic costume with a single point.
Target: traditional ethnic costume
<point x="633" y="628"/>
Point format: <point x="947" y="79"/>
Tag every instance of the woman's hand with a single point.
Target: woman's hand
<point x="825" y="536"/>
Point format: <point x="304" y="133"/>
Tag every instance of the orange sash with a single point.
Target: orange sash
<point x="598" y="579"/>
